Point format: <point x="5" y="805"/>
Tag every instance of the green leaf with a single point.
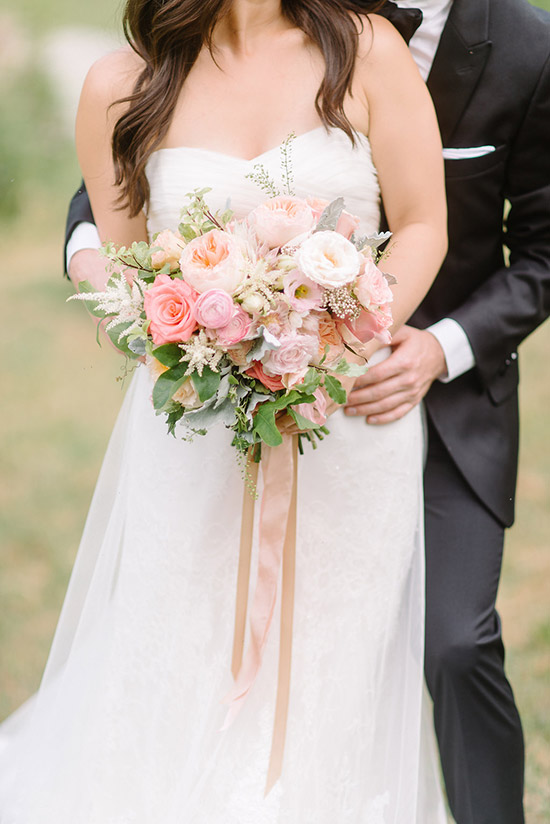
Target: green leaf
<point x="265" y="426"/>
<point x="343" y="367"/>
<point x="311" y="382"/>
<point x="335" y="389"/>
<point x="301" y="422"/>
<point x="169" y="354"/>
<point x="114" y="333"/>
<point x="206" y="384"/>
<point x="168" y="383"/>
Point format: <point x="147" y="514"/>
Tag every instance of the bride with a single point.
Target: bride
<point x="125" y="728"/>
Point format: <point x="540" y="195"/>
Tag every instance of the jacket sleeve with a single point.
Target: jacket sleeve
<point x="516" y="299"/>
<point x="80" y="211"/>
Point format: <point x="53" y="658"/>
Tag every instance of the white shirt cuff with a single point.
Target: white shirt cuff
<point x="84" y="236"/>
<point x="457" y="349"/>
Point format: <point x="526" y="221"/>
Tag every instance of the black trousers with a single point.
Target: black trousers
<point x="476" y="719"/>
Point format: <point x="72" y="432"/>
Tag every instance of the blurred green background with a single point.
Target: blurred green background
<point x="60" y="395"/>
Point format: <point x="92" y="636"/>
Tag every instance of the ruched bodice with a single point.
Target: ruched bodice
<point x="325" y="164"/>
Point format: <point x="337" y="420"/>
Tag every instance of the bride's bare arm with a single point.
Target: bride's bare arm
<point x="406" y="148"/>
<point x="110" y="79"/>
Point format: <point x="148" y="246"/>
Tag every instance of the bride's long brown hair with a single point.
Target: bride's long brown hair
<point x="169" y="34"/>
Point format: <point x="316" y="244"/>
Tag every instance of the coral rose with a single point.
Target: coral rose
<point x="280" y="219"/>
<point x="169" y="308"/>
<point x="270" y="382"/>
<point x="329" y="259"/>
<point x="213" y="261"/>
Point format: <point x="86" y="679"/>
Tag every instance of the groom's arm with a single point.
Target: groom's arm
<point x="504" y="310"/>
<point x="81" y="258"/>
<point x="515" y="300"/>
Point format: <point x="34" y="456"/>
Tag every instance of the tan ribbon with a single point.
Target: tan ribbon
<point x="277" y="548"/>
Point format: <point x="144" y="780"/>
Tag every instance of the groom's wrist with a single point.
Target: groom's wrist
<point x="84" y="236"/>
<point x="458" y="352"/>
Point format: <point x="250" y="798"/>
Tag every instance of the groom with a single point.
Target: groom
<point x="490" y="80"/>
<point x="487" y="65"/>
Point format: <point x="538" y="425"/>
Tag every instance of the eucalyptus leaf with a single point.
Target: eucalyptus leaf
<point x="330" y="216"/>
<point x="377" y="239"/>
<point x="266" y="342"/>
<point x="137" y="346"/>
<point x="208" y="415"/>
<point x="392" y="280"/>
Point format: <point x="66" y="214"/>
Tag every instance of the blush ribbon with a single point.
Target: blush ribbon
<point x="277" y="550"/>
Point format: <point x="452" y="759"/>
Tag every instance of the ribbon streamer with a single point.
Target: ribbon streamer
<point x="277" y="549"/>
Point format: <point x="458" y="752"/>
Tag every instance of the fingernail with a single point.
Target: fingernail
<point x="372" y="419"/>
<point x="350" y="411"/>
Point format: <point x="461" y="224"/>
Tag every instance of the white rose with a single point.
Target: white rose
<point x="329" y="259"/>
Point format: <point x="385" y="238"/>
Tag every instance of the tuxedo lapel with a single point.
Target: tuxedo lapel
<point x="459" y="62"/>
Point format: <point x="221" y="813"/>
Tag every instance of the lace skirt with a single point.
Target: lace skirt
<point x="125" y="728"/>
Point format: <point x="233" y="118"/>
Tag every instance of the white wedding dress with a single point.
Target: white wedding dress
<point x="125" y="728"/>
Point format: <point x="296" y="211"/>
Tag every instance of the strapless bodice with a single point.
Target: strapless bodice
<point x="325" y="164"/>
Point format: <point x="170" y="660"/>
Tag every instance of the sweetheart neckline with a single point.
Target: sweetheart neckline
<point x="239" y="159"/>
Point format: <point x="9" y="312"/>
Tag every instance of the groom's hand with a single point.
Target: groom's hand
<point x="90" y="265"/>
<point x="392" y="388"/>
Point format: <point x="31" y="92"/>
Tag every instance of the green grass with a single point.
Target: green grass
<point x="60" y="398"/>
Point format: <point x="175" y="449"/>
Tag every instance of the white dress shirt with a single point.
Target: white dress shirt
<point x="452" y="338"/>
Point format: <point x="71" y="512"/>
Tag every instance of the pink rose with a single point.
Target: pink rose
<point x="171" y="246"/>
<point x="372" y="324"/>
<point x="214" y="308"/>
<point x="302" y="293"/>
<point x="270" y="382"/>
<point x="314" y="412"/>
<point x="293" y="356"/>
<point x="347" y="223"/>
<point x="237" y="328"/>
<point x="372" y="288"/>
<point x="279" y="220"/>
<point x="169" y="306"/>
<point x="213" y="261"/>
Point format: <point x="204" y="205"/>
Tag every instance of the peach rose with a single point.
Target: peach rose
<point x="213" y="261"/>
<point x="171" y="247"/>
<point x="329" y="336"/>
<point x="169" y="306"/>
<point x="347" y="223"/>
<point x="270" y="382"/>
<point x="280" y="219"/>
<point x="239" y="352"/>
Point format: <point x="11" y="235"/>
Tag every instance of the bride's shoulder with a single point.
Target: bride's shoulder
<point x="112" y="77"/>
<point x="382" y="52"/>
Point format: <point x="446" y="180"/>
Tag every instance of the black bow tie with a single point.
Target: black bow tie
<point x="406" y="21"/>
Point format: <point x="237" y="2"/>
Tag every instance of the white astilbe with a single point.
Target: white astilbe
<point x="200" y="352"/>
<point x="121" y="301"/>
<point x="260" y="284"/>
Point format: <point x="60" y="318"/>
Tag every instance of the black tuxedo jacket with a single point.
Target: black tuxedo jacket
<point x="490" y="82"/>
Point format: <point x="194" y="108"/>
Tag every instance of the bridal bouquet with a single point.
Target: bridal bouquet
<point x="240" y="320"/>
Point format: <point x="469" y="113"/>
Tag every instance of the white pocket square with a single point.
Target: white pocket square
<point x="464" y="154"/>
